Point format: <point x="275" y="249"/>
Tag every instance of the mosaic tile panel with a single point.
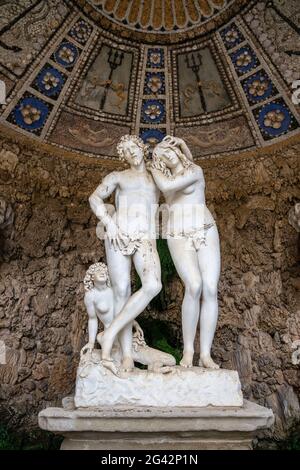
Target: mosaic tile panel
<point x="244" y="60"/>
<point x="66" y="55"/>
<point x="81" y="31"/>
<point x="275" y="119"/>
<point x="149" y="88"/>
<point x="275" y="25"/>
<point x="152" y="136"/>
<point x="154" y="83"/>
<point x="153" y="111"/>
<point x="30" y="113"/>
<point x="155" y="58"/>
<point x="258" y="87"/>
<point x="231" y="36"/>
<point x="50" y="81"/>
<point x="26" y="30"/>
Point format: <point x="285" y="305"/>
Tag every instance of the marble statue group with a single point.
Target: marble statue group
<point x="130" y="237"/>
<point x="129" y="395"/>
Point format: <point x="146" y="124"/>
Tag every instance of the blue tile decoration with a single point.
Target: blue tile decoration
<point x="258" y="87"/>
<point x="30" y="113"/>
<point x="152" y="136"/>
<point x="81" y="31"/>
<point x="155" y="58"/>
<point x="154" y="83"/>
<point x="275" y="119"/>
<point x="231" y="36"/>
<point x="244" y="60"/>
<point x="49" y="81"/>
<point x="153" y="111"/>
<point x="66" y="55"/>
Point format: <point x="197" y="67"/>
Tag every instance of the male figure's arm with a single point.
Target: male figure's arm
<point x="96" y="200"/>
<point x="103" y="191"/>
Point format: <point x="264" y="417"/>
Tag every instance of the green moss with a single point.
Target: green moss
<point x="292" y="442"/>
<point x="157" y="335"/>
<point x="6" y="440"/>
<point x="163" y="345"/>
<point x="35" y="440"/>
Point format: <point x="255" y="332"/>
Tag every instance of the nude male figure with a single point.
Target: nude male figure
<point x="129" y="238"/>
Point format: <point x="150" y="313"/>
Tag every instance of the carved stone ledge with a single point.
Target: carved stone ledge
<point x="157" y="428"/>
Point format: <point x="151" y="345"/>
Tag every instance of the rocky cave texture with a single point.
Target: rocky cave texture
<point x="51" y="240"/>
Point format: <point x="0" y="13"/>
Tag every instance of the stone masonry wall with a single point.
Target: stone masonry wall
<point x="50" y="241"/>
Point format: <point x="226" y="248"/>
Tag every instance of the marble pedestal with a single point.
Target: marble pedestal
<point x="195" y="386"/>
<point x="157" y="428"/>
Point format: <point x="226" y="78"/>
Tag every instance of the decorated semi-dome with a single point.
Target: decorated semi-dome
<point x="79" y="74"/>
<point x="161" y="20"/>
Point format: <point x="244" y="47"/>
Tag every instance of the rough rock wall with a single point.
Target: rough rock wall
<point x="44" y="256"/>
<point x="51" y="241"/>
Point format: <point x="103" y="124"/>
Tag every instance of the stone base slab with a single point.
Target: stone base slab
<point x="154" y="428"/>
<point x="97" y="387"/>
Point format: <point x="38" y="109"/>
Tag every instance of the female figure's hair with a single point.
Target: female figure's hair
<point x="134" y="138"/>
<point x="160" y="165"/>
<point x="89" y="275"/>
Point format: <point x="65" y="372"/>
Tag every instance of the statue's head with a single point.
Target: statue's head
<point x="132" y="149"/>
<point x="96" y="274"/>
<point x="166" y="155"/>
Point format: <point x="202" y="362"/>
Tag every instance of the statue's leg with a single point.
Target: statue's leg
<point x="209" y="262"/>
<point x="147" y="264"/>
<point x="186" y="263"/>
<point x="119" y="267"/>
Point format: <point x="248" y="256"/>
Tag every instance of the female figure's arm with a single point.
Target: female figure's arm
<point x="92" y="323"/>
<point x="180" y="143"/>
<point x="179" y="182"/>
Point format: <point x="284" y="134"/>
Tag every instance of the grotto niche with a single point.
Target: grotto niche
<point x="79" y="75"/>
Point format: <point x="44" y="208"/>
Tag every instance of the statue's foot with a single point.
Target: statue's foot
<point x="187" y="359"/>
<point x="110" y="365"/>
<point x="127" y="364"/>
<point x="208" y="363"/>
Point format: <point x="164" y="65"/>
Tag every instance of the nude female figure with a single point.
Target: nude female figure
<point x="98" y="300"/>
<point x="100" y="305"/>
<point x="193" y="242"/>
